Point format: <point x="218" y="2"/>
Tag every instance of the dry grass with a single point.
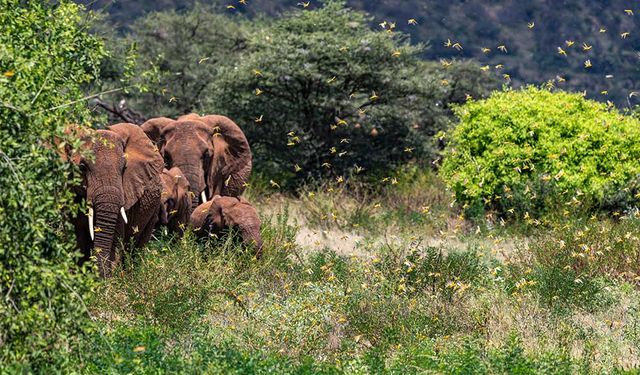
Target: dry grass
<point x="338" y="290"/>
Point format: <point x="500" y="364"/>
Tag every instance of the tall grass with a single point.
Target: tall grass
<point x="407" y="197"/>
<point x="561" y="300"/>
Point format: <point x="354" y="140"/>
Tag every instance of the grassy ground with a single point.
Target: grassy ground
<point x="395" y="281"/>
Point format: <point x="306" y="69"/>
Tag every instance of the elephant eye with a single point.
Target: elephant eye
<point x="82" y="166"/>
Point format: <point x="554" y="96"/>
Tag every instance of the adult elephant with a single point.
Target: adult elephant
<point x="212" y="152"/>
<point x="121" y="185"/>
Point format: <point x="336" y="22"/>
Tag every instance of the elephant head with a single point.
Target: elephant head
<point x="221" y="213"/>
<point x="176" y="203"/>
<point x="116" y="172"/>
<point x="211" y="151"/>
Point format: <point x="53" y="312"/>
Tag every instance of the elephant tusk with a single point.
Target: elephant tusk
<point x="203" y="196"/>
<point x="91" y="222"/>
<point x="124" y="215"/>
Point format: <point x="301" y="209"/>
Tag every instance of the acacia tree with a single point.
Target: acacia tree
<point x="45" y="55"/>
<point x="321" y="93"/>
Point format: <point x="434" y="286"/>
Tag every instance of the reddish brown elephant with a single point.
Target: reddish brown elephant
<point x="221" y="213"/>
<point x="175" y="208"/>
<point x="211" y="151"/>
<point x="121" y="185"/>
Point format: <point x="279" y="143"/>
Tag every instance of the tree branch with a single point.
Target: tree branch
<point x="121" y="111"/>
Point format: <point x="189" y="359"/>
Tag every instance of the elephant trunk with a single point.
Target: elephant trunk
<point x="251" y="237"/>
<point x="106" y="216"/>
<point x="195" y="201"/>
<point x="197" y="187"/>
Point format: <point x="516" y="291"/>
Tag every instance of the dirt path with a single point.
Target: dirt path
<point x="348" y="243"/>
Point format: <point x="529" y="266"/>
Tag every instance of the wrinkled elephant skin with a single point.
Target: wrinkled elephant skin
<point x="175" y="208"/>
<point x="211" y="151"/>
<point x="121" y="186"/>
<point x="221" y="213"/>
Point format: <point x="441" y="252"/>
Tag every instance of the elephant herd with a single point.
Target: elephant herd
<point x="174" y="173"/>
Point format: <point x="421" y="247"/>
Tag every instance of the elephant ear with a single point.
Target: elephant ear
<point x="72" y="134"/>
<point x="230" y="165"/>
<point x="153" y="128"/>
<point x="143" y="163"/>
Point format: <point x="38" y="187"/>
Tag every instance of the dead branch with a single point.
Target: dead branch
<point x="120" y="111"/>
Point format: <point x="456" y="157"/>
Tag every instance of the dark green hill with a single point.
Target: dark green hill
<point x="531" y="32"/>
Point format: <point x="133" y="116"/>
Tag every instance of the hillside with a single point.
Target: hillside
<point x="531" y="33"/>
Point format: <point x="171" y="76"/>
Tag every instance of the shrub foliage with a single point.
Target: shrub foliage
<point x="44" y="58"/>
<point x="533" y="150"/>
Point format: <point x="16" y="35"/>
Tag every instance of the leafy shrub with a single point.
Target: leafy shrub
<point x="45" y="55"/>
<point x="532" y="150"/>
<point x="147" y="351"/>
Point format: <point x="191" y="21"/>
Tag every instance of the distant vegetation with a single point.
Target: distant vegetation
<point x="531" y="32"/>
<point x="318" y="94"/>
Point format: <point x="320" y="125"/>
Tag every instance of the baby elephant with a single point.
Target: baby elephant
<point x="176" y="200"/>
<point x="221" y="213"/>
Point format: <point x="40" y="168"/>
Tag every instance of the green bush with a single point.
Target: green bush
<point x="45" y="56"/>
<point x="473" y="357"/>
<point x="532" y="151"/>
<point x="139" y="350"/>
<point x="146" y="351"/>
